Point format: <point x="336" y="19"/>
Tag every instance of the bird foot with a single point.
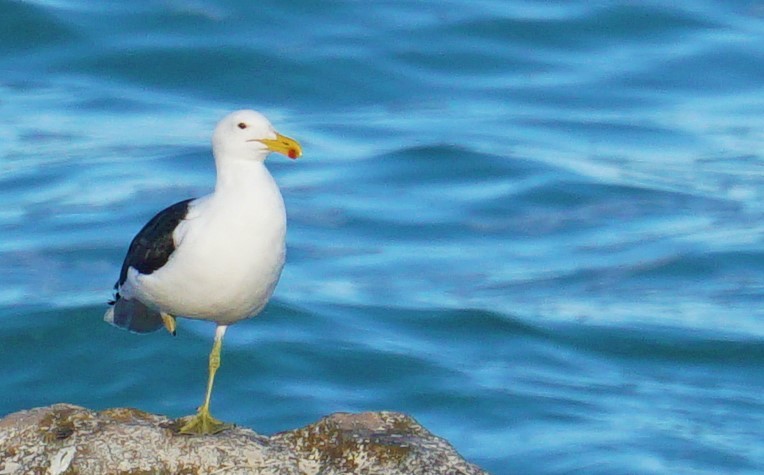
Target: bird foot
<point x="202" y="424"/>
<point x="169" y="323"/>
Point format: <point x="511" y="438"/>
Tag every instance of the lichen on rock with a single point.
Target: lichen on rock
<point x="64" y="439"/>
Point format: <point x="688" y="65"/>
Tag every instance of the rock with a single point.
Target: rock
<point x="70" y="440"/>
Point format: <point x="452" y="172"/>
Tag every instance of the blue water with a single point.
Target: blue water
<point x="537" y="227"/>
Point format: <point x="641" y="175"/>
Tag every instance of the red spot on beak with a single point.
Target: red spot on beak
<point x="292" y="153"/>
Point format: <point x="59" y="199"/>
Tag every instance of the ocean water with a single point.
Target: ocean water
<point x="537" y="227"/>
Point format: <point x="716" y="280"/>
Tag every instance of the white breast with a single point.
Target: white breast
<point x="229" y="253"/>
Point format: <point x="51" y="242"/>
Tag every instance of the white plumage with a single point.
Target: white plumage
<point x="229" y="252"/>
<point x="215" y="258"/>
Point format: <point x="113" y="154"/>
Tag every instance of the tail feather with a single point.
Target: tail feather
<point x="133" y="315"/>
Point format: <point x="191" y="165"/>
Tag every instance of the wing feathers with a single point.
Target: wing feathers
<point x="150" y="249"/>
<point x="153" y="245"/>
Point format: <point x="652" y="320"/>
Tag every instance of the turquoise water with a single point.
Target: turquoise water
<point x="534" y="226"/>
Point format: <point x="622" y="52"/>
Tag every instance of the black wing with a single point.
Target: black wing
<point x="153" y="245"/>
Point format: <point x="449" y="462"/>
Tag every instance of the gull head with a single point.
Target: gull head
<point x="249" y="135"/>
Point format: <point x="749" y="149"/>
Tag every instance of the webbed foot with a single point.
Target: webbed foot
<point x="169" y="323"/>
<point x="202" y="424"/>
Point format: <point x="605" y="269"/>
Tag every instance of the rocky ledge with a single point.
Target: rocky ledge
<point x="66" y="440"/>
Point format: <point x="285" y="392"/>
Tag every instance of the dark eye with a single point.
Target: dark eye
<point x="242" y="125"/>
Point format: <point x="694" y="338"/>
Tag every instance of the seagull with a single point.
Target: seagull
<point x="215" y="258"/>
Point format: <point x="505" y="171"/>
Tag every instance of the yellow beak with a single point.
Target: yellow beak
<point x="284" y="145"/>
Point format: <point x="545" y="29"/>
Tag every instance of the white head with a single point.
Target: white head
<point x="248" y="135"/>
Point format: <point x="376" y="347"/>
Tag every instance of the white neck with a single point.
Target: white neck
<point x="243" y="174"/>
<point x="247" y="184"/>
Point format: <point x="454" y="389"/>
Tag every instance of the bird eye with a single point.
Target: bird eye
<point x="242" y="125"/>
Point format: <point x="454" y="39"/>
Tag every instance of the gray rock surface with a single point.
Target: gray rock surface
<point x="66" y="440"/>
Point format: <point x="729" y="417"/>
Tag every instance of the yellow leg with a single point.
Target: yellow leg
<point x="169" y="323"/>
<point x="203" y="422"/>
